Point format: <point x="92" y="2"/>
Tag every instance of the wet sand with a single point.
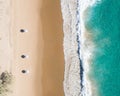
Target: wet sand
<point x="53" y="59"/>
<point x="42" y="43"/>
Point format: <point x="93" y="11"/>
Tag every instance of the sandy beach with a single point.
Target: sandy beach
<point x="42" y="45"/>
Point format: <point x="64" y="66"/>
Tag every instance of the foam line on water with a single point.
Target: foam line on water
<point x="87" y="47"/>
<point x="78" y="30"/>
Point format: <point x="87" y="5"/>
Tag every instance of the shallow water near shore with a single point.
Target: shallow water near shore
<point x="103" y="22"/>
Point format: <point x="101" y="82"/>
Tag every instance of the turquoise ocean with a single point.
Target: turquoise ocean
<point x="102" y="21"/>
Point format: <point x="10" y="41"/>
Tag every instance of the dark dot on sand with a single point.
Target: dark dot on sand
<point x="23" y="56"/>
<point x="23" y="30"/>
<point x="24" y="71"/>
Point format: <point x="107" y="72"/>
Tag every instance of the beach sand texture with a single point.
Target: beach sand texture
<point x="42" y="44"/>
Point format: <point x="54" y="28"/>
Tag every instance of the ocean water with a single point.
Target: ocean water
<point x="102" y="21"/>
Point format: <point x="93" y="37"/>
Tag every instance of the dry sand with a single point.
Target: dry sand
<point x="42" y="43"/>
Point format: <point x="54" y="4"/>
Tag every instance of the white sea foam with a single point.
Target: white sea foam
<point x="87" y="47"/>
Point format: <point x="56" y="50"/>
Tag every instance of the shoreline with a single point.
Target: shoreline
<point x="87" y="48"/>
<point x="83" y="46"/>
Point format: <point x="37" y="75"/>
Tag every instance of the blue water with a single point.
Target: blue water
<point x="103" y="22"/>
